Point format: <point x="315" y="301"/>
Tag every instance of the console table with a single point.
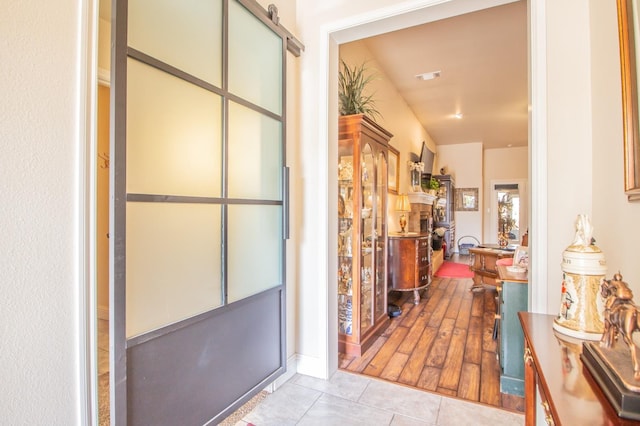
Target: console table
<point x="482" y="262"/>
<point x="568" y="393"/>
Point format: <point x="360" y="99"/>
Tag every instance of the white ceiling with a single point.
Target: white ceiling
<point x="483" y="59"/>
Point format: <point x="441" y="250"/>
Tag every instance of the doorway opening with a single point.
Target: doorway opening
<point x="519" y="217"/>
<point x="509" y="205"/>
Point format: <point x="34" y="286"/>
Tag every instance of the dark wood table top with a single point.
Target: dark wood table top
<point x="407" y="235"/>
<point x="575" y="398"/>
<point x="510" y="247"/>
<point x="491" y="250"/>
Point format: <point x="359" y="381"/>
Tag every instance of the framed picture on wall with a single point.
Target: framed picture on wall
<point x="466" y="199"/>
<point x="393" y="171"/>
<point x="628" y="11"/>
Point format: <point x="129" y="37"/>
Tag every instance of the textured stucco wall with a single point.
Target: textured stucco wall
<point x="38" y="213"/>
<point x="614" y="218"/>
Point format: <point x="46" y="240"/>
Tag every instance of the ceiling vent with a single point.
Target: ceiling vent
<point x="428" y="75"/>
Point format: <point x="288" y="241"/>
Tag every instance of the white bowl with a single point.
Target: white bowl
<point x="515" y="269"/>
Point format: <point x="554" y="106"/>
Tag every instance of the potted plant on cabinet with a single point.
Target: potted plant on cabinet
<point x="432" y="186"/>
<point x="352" y="83"/>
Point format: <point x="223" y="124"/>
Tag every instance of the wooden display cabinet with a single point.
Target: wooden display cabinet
<point x="362" y="238"/>
<point x="443" y="213"/>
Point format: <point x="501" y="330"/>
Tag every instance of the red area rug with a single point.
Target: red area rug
<point x="454" y="270"/>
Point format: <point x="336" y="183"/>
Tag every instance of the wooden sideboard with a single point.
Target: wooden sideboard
<point x="482" y="262"/>
<point x="409" y="257"/>
<point x="568" y="393"/>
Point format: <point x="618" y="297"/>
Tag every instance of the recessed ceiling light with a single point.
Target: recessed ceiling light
<point x="458" y="115"/>
<point x="428" y="75"/>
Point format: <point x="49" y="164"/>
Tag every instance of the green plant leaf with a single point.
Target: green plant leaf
<point x="351" y="85"/>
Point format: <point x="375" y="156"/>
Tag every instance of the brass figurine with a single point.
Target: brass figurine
<point x="620" y="317"/>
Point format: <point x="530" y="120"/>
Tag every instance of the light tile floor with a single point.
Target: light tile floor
<point x="351" y="399"/>
<point x="346" y="399"/>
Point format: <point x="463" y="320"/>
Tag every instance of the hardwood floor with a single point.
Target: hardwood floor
<point x="444" y="344"/>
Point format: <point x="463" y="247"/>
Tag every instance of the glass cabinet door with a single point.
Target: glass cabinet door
<point x="369" y="216"/>
<point x="345" y="239"/>
<point x="381" y="237"/>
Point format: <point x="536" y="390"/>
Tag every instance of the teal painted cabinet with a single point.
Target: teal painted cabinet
<point x="513" y="298"/>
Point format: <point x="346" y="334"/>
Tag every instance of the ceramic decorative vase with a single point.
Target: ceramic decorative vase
<point x="583" y="269"/>
<point x="416" y="184"/>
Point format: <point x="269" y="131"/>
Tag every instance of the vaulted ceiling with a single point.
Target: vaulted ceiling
<point x="482" y="57"/>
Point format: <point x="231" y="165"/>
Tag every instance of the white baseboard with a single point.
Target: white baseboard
<point x="312" y="366"/>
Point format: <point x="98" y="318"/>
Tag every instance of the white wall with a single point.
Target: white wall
<point x="503" y="164"/>
<point x="464" y="163"/>
<point x="584" y="144"/>
<point x="569" y="142"/>
<point x="585" y="139"/>
<point x="39" y="213"/>
<point x="615" y="220"/>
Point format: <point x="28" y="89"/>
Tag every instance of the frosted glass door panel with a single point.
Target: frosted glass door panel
<point x="256" y="77"/>
<point x="173" y="135"/>
<point x="173" y="263"/>
<point x="186" y="34"/>
<point x="254" y="250"/>
<point x="255" y="155"/>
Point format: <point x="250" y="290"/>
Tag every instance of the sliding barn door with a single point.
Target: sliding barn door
<point x="198" y="209"/>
